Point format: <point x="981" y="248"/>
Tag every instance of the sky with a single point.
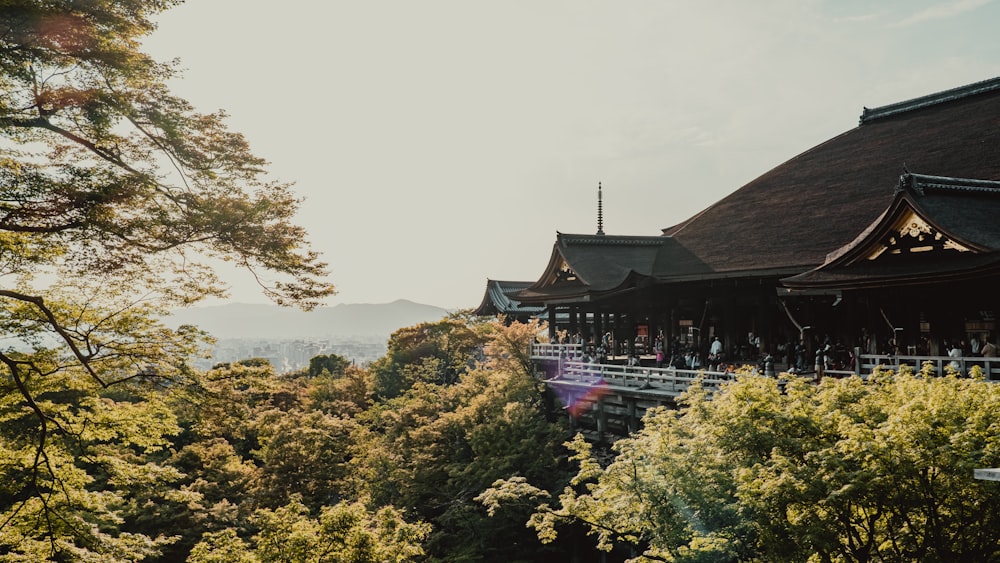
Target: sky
<point x="441" y="143"/>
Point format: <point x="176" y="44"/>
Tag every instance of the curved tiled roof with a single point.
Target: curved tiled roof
<point x="584" y="264"/>
<point x="865" y="275"/>
<point x="796" y="213"/>
<point x="788" y="220"/>
<point x="603" y="262"/>
<point x="497" y="300"/>
<point x="590" y="265"/>
<point x="961" y="211"/>
<point x="968" y="209"/>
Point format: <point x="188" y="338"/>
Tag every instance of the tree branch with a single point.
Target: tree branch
<point x="54" y="323"/>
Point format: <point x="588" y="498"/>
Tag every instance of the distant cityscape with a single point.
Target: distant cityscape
<point x="289" y="355"/>
<point x="289" y="338"/>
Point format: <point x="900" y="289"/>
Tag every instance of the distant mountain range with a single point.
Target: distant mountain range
<point x="240" y="320"/>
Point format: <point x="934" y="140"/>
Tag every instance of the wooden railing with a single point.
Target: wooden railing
<point x="990" y="366"/>
<point x="571" y="354"/>
<point x="613" y="397"/>
<point x="668" y="380"/>
<point x="546" y="351"/>
<point x="571" y="368"/>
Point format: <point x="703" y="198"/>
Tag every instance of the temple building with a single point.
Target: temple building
<point x="884" y="239"/>
<point x="497" y="301"/>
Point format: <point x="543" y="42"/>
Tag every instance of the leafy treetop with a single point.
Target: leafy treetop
<point x="106" y="172"/>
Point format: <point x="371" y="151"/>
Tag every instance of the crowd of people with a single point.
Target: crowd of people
<point x="817" y="356"/>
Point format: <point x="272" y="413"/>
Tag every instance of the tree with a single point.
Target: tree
<point x="433" y="352"/>
<point x="249" y="440"/>
<point x="331" y="363"/>
<point x="112" y="194"/>
<point x="108" y="172"/>
<point x="79" y="440"/>
<point x="305" y="454"/>
<point x="345" y="532"/>
<point x="850" y="471"/>
<point x="435" y="447"/>
<point x="346" y="394"/>
<point x="219" y="476"/>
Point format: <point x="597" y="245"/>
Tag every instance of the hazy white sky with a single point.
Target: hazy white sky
<point x="443" y="142"/>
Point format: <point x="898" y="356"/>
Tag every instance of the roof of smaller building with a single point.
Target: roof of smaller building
<point x="591" y="265"/>
<point x="497" y="300"/>
<point x="937" y="228"/>
<point x="582" y="265"/>
<point x="967" y="208"/>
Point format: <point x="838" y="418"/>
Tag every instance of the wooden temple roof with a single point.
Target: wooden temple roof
<point x="937" y="229"/>
<point x="587" y="266"/>
<point x="788" y="220"/>
<point x="798" y="212"/>
<point x="497" y="300"/>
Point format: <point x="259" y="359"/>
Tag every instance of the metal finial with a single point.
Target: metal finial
<point x="600" y="211"/>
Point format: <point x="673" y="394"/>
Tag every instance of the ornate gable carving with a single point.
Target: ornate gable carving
<point x="562" y="274"/>
<point x="912" y="235"/>
<point x="565" y="274"/>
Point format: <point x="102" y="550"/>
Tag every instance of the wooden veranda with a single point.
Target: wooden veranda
<point x="608" y="399"/>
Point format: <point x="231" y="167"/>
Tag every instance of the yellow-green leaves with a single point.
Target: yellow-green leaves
<point x="345" y="532"/>
<point x="113" y="193"/>
<point x="845" y="471"/>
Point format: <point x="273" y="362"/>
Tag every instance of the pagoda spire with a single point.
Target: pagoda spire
<point x="600" y="211"/>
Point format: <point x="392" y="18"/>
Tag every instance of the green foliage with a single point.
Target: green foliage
<point x="224" y="403"/>
<point x="74" y="462"/>
<point x="347" y="394"/>
<point x="435" y="353"/>
<point x="331" y="363"/>
<point x="224" y="546"/>
<point x="437" y="446"/>
<point x="846" y="471"/>
<point x="83" y="427"/>
<point x="509" y="349"/>
<point x="218" y="475"/>
<point x="238" y="464"/>
<point x="268" y="475"/>
<point x="305" y="454"/>
<point x="345" y="532"/>
<point x="113" y="193"/>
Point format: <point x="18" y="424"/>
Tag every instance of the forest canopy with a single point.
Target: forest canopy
<point x="851" y="470"/>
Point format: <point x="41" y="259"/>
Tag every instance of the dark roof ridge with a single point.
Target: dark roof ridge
<point x="491" y="280"/>
<point x="612" y="240"/>
<point x="923" y="183"/>
<point x="871" y="114"/>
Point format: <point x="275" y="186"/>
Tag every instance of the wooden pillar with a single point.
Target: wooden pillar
<point x="598" y="328"/>
<point x="570" y="400"/>
<point x="732" y="335"/>
<point x="631" y="334"/>
<point x="602" y="419"/>
<point x="671" y="330"/>
<point x="552" y="324"/>
<point x="617" y="320"/>
<point x="632" y="420"/>
<point x="766" y="316"/>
